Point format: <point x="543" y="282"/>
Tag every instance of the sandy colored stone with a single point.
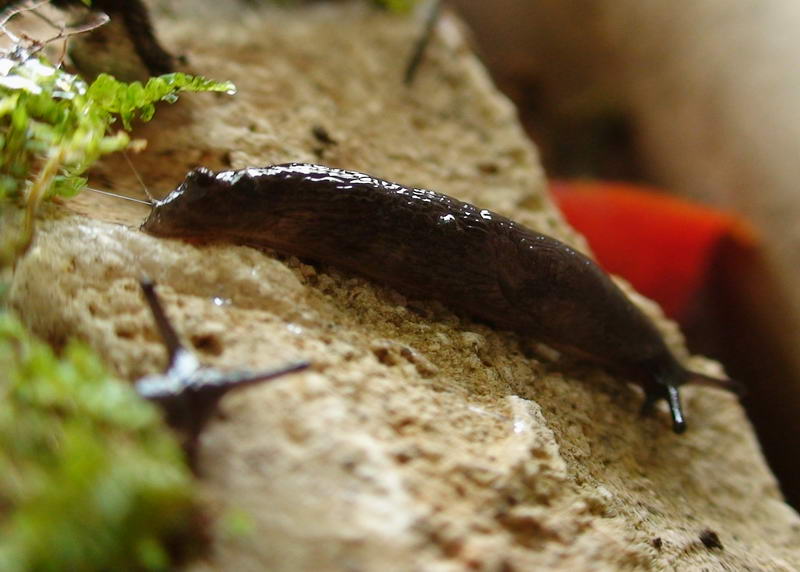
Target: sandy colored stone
<point x="710" y="93"/>
<point x="421" y="440"/>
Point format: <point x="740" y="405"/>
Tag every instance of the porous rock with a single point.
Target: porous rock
<point x="420" y="439"/>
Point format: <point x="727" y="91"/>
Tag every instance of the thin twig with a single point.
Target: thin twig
<point x="47" y="20"/>
<point x="138" y="177"/>
<point x="100" y="19"/>
<point x="422" y="42"/>
<point x="36" y="194"/>
<point x="115" y="195"/>
<point x="9" y="13"/>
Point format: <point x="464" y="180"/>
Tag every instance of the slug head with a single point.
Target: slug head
<point x="665" y="382"/>
<point x="192" y="208"/>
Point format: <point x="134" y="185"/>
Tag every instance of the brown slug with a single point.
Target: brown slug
<point x="429" y="245"/>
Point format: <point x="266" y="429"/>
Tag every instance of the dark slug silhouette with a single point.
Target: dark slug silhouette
<point x="429" y="245"/>
<point x="187" y="391"/>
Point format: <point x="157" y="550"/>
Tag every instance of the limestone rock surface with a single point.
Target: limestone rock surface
<point x="420" y="440"/>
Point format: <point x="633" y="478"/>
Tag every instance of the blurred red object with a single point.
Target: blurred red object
<point x="664" y="246"/>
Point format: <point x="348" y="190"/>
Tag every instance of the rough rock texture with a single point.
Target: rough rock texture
<point x="421" y="439"/>
<point x="711" y="91"/>
<point x="729" y="134"/>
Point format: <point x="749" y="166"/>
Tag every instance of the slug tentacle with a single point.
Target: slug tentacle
<point x="429" y="245"/>
<point x="736" y="387"/>
<point x="675" y="409"/>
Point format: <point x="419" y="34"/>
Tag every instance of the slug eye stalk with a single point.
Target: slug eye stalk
<point x="671" y="394"/>
<point x="667" y="389"/>
<point x="675" y="409"/>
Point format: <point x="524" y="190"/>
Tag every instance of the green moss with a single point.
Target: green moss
<point x="89" y="477"/>
<point x="400" y="6"/>
<point x="50" y="118"/>
<point x="132" y="100"/>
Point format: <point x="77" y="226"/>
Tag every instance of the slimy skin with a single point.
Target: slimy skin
<point x="429" y="245"/>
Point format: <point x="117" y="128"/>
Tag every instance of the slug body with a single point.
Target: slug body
<point x="429" y="245"/>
